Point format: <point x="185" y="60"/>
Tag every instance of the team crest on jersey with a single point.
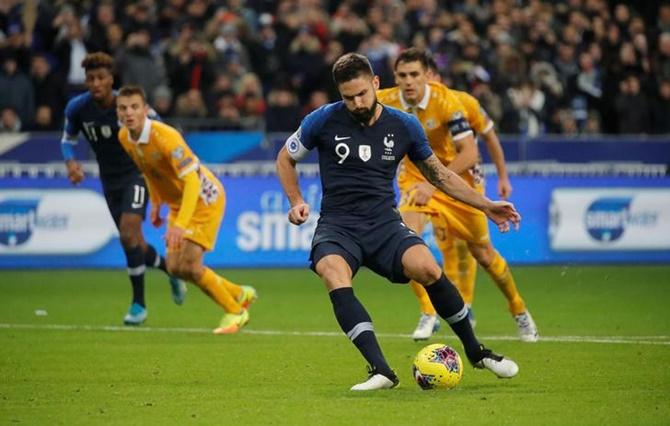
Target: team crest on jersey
<point x="177" y="153"/>
<point x="389" y="143"/>
<point x="365" y="152"/>
<point x="431" y="123"/>
<point x="106" y="131"/>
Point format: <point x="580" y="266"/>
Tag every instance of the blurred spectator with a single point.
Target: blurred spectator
<point x="481" y="90"/>
<point x="48" y="87"/>
<point x="283" y="113"/>
<point x="382" y="51"/>
<point x="102" y="18"/>
<point x="137" y="65"/>
<point x="16" y="91"/>
<point x="190" y="63"/>
<point x="229" y="48"/>
<point x="9" y="120"/>
<point x="228" y="114"/>
<point x="632" y="108"/>
<point x="316" y="99"/>
<point x="662" y="61"/>
<point x="71" y="50"/>
<point x="44" y="120"/>
<point x="263" y="53"/>
<point x="660" y="112"/>
<point x="249" y="101"/>
<point x="663" y="23"/>
<point x="16" y="46"/>
<point x="527" y="110"/>
<point x="114" y="39"/>
<point x="348" y="28"/>
<point x="162" y="103"/>
<point x="190" y="105"/>
<point x="304" y="61"/>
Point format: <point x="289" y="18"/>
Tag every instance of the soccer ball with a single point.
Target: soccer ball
<point x="437" y="366"/>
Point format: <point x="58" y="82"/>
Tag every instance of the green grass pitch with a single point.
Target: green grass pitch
<point x="66" y="359"/>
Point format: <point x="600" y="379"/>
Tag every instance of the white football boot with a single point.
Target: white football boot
<point x="527" y="328"/>
<point x="376" y="381"/>
<point x="502" y="367"/>
<point x="428" y="325"/>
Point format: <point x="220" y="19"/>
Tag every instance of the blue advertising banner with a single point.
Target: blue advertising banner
<point x="47" y="223"/>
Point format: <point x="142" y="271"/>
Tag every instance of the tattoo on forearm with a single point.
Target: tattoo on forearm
<point x="434" y="171"/>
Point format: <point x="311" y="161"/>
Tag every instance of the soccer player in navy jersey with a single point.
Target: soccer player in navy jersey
<point x="360" y="143"/>
<point x="94" y="113"/>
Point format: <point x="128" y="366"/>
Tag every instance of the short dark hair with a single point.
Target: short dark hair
<point x="432" y="65"/>
<point x="351" y="66"/>
<point x="413" y="54"/>
<point x="132" y="89"/>
<point x="98" y="60"/>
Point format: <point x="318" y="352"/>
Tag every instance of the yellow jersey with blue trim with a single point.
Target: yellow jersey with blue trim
<point x="164" y="159"/>
<point x="477" y="117"/>
<point x="443" y="118"/>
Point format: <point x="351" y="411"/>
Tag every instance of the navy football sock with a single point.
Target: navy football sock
<point x="153" y="259"/>
<point x="357" y="325"/>
<point x="449" y="304"/>
<point x="136" y="268"/>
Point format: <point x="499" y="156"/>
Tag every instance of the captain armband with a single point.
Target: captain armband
<point x="294" y="146"/>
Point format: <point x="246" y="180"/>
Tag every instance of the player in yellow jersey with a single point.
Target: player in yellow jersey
<point x="447" y="124"/>
<point x="194" y="196"/>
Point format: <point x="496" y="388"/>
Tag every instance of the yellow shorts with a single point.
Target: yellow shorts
<point x="204" y="225"/>
<point x="449" y="216"/>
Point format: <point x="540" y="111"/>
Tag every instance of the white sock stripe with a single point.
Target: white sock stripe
<point x="139" y="270"/>
<point x="157" y="261"/>
<point x="457" y="316"/>
<point x="358" y="329"/>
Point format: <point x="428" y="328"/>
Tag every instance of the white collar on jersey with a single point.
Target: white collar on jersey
<point x="424" y="101"/>
<point x="146" y="130"/>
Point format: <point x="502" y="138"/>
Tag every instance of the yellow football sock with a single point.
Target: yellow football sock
<point x="461" y="269"/>
<point x="234" y="289"/>
<point x="501" y="275"/>
<point x="422" y="296"/>
<point x="212" y="285"/>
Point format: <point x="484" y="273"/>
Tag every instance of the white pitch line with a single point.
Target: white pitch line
<point x="641" y="340"/>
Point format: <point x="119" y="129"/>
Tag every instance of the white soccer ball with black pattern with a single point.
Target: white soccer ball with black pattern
<point x="437" y="366"/>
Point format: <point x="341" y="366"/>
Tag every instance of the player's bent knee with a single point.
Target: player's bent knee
<point x="333" y="268"/>
<point x="425" y="273"/>
<point x="128" y="238"/>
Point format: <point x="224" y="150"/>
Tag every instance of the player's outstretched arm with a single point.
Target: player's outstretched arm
<point x="288" y="176"/>
<point x="498" y="157"/>
<point x="501" y="212"/>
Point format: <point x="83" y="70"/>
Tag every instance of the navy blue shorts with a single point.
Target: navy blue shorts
<point x="379" y="245"/>
<point x="131" y="198"/>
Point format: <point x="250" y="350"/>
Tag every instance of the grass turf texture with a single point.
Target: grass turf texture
<point x="178" y="373"/>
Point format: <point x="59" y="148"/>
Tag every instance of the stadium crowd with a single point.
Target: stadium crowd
<point x="537" y="67"/>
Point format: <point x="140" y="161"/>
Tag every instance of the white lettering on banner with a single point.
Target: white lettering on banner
<point x="269" y="228"/>
<point x="272" y="231"/>
<point x="609" y="219"/>
<point x="72" y="221"/>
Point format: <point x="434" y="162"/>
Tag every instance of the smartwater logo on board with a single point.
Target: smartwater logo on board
<point x="608" y="218"/>
<point x="19" y="219"/>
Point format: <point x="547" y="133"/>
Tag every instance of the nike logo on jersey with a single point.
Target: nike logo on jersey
<point x="341" y="138"/>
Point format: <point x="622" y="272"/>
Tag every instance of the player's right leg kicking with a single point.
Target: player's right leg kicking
<point x="420" y="266"/>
